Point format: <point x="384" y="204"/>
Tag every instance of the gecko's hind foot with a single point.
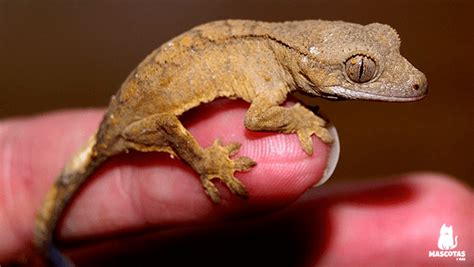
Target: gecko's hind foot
<point x="217" y="164"/>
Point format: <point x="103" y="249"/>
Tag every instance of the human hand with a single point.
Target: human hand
<point x="357" y="224"/>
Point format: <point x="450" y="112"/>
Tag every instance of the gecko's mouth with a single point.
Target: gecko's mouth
<point x="340" y="93"/>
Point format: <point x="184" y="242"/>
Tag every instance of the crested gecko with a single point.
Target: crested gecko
<point x="259" y="62"/>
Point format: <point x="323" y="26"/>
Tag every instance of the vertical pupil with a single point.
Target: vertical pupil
<point x="361" y="68"/>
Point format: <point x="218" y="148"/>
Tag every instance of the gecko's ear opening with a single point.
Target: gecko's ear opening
<point x="389" y="34"/>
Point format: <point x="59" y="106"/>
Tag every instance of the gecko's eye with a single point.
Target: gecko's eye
<point x="360" y="68"/>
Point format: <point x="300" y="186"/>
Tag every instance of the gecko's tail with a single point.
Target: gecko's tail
<point x="71" y="178"/>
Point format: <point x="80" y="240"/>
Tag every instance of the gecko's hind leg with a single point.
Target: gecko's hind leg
<point x="164" y="132"/>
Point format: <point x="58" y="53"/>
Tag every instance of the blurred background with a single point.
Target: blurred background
<point x="74" y="54"/>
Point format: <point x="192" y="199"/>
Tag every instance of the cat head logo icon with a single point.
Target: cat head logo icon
<point x="446" y="240"/>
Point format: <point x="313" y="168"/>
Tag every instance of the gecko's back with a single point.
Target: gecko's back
<point x="204" y="63"/>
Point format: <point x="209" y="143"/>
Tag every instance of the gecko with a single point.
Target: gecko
<point x="259" y="62"/>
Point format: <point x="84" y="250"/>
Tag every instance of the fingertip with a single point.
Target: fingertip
<point x="283" y="171"/>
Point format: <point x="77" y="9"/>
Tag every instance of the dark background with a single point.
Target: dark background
<point x="72" y="54"/>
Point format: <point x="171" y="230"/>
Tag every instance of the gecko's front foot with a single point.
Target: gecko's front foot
<point x="306" y="124"/>
<point x="217" y="164"/>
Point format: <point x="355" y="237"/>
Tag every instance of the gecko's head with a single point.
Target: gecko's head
<point x="351" y="61"/>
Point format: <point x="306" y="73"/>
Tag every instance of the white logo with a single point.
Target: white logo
<point x="446" y="240"/>
<point x="446" y="243"/>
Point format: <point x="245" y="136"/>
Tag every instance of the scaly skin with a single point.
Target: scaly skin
<point x="258" y="62"/>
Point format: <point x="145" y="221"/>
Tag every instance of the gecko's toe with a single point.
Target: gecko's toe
<point x="244" y="164"/>
<point x="304" y="135"/>
<point x="232" y="148"/>
<point x="235" y="186"/>
<point x="323" y="134"/>
<point x="217" y="143"/>
<point x="211" y="189"/>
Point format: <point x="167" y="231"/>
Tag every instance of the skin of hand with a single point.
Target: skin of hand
<point x="390" y="221"/>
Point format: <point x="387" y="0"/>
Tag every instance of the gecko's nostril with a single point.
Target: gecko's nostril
<point x="416" y="86"/>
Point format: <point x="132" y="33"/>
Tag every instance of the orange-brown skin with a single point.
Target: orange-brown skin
<point x="258" y="62"/>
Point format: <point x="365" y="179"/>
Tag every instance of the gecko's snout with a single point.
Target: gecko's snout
<point x="420" y="85"/>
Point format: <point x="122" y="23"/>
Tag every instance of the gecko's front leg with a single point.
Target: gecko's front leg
<point x="265" y="114"/>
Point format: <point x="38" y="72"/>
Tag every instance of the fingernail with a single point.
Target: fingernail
<point x="333" y="155"/>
